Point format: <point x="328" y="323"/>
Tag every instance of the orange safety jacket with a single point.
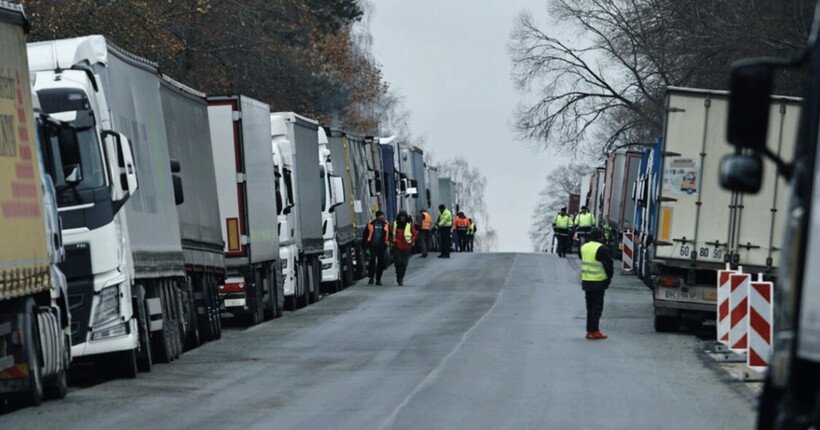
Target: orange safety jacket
<point x="427" y="221"/>
<point x="461" y="223"/>
<point x="370" y="229"/>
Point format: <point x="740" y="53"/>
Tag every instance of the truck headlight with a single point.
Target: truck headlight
<point x="108" y="307"/>
<point x="327" y="254"/>
<point x="113" y="331"/>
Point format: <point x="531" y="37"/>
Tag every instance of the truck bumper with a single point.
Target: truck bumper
<point x="330" y="261"/>
<point x="287" y="255"/>
<point x="103" y="346"/>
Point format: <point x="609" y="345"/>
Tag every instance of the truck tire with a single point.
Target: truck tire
<point x="253" y="295"/>
<point x="56" y="387"/>
<point x="207" y="327"/>
<point x="666" y="324"/>
<point x="145" y="361"/>
<point x="348" y="273"/>
<point x="315" y="279"/>
<point x="304" y="285"/>
<point x="270" y="292"/>
<point x="161" y="339"/>
<point x="33" y="353"/>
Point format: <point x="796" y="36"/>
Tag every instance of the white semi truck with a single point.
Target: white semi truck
<point x="293" y="139"/>
<point x="700" y="227"/>
<point x="333" y="196"/>
<point x="35" y="343"/>
<point x="125" y="260"/>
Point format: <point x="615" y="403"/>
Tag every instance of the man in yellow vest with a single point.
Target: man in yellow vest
<point x="561" y="224"/>
<point x="596" y="274"/>
<point x="584" y="221"/>
<point x="445" y="226"/>
<point x="425" y="232"/>
<point x="471" y="235"/>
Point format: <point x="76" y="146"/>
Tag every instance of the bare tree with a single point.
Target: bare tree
<point x="560" y="183"/>
<point x="470" y="186"/>
<point x="609" y="88"/>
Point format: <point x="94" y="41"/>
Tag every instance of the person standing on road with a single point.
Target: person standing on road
<point x="425" y="229"/>
<point x="596" y="274"/>
<point x="470" y="235"/>
<point x="461" y="224"/>
<point x="561" y="225"/>
<point x="377" y="240"/>
<point x="403" y="236"/>
<point x="445" y="225"/>
<point x="584" y="221"/>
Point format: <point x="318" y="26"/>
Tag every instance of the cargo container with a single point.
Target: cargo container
<point x="700" y="227"/>
<point x="246" y="194"/>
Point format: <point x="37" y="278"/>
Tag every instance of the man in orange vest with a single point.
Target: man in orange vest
<point x="377" y="239"/>
<point x="462" y="224"/>
<point x="426" y="229"/>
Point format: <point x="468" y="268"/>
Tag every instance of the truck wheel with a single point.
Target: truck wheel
<point x="348" y="278"/>
<point x="304" y="284"/>
<point x="316" y="280"/>
<point x="33" y="353"/>
<point x="256" y="309"/>
<point x="145" y="361"/>
<point x="57" y="386"/>
<point x="269" y="307"/>
<point x="666" y="324"/>
<point x="128" y="363"/>
<point x="205" y="321"/>
<point x="161" y="339"/>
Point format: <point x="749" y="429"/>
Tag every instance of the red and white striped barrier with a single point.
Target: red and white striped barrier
<point x="626" y="256"/>
<point x="739" y="309"/>
<point x="723" y="289"/>
<point x="761" y="314"/>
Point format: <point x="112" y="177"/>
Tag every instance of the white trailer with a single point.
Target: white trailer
<point x="699" y="226"/>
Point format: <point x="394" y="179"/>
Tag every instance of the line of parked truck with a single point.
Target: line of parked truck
<point x="686" y="227"/>
<point x="137" y="212"/>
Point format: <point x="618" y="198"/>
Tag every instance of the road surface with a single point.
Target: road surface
<point x="479" y="341"/>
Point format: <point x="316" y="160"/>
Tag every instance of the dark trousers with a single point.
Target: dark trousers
<point x="425" y="241"/>
<point x="462" y="240"/>
<point x="401" y="259"/>
<point x="376" y="264"/>
<point x="470" y="240"/>
<point x="445" y="242"/>
<point x="562" y="236"/>
<point x="595" y="306"/>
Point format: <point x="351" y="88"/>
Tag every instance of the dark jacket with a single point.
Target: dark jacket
<point x="605" y="257"/>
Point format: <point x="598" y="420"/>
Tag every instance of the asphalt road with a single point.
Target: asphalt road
<point x="480" y="341"/>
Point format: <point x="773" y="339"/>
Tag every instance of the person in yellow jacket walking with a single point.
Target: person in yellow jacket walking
<point x="596" y="274"/>
<point x="561" y="225"/>
<point x="584" y="221"/>
<point x="445" y="225"/>
<point x="471" y="235"/>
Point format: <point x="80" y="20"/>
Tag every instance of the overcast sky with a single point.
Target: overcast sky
<point x="449" y="60"/>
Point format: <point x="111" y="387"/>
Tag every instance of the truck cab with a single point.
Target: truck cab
<point x="90" y="204"/>
<point x="333" y="195"/>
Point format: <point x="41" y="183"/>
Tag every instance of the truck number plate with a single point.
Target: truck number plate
<point x="231" y="303"/>
<point x="670" y="294"/>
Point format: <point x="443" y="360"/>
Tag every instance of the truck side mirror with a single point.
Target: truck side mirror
<point x="121" y="164"/>
<point x="741" y="173"/>
<point x="749" y="103"/>
<point x="179" y="196"/>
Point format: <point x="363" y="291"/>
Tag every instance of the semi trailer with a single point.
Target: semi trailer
<point x="246" y="197"/>
<point x="35" y="342"/>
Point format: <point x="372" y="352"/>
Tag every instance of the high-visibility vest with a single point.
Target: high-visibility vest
<point x="461" y="223"/>
<point x="591" y="268"/>
<point x="585" y="220"/>
<point x="426" y="221"/>
<point x="471" y="229"/>
<point x="370" y="230"/>
<point x="408" y="233"/>
<point x="445" y="219"/>
<point x="562" y="221"/>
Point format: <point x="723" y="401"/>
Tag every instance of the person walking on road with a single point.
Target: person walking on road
<point x="596" y="274"/>
<point x="377" y="240"/>
<point x="561" y="225"/>
<point x="404" y="235"/>
<point x="461" y="224"/>
<point x="584" y="221"/>
<point x="445" y="225"/>
<point x="425" y="232"/>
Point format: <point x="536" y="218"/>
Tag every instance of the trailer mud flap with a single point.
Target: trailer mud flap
<point x="154" y="307"/>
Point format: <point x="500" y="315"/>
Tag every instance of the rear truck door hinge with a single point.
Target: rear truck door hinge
<point x="240" y="178"/>
<point x="236" y="115"/>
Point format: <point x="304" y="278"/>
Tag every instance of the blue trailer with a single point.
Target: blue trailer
<point x="646" y="209"/>
<point x="389" y="180"/>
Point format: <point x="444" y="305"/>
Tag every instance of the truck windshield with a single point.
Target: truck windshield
<point x="91" y="160"/>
